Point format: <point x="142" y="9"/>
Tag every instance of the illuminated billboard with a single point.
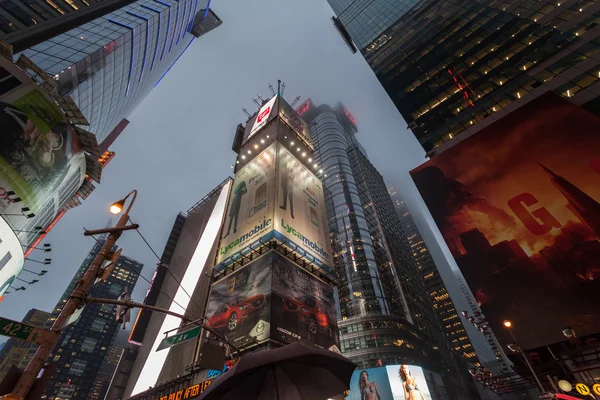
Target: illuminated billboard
<point x="11" y="256"/>
<point x="41" y="156"/>
<point x="292" y="119"/>
<point x="518" y="204"/>
<point x="303" y="307"/>
<point x="249" y="216"/>
<point x="265" y="114"/>
<point x="396" y="382"/>
<point x="239" y="304"/>
<point x="285" y="202"/>
<point x="272" y="297"/>
<point x="300" y="217"/>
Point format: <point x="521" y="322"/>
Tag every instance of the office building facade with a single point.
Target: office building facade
<point x="453" y="67"/>
<point x="385" y="314"/>
<point x="110" y="64"/>
<point x="18" y="352"/>
<point x="85" y="344"/>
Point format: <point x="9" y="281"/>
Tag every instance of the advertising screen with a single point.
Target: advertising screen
<point x="11" y="256"/>
<point x="396" y="382"/>
<point x="266" y="113"/>
<point x="250" y="211"/>
<point x="290" y="117"/>
<point x="518" y="206"/>
<point x="39" y="149"/>
<point x="303" y="307"/>
<point x="238" y="307"/>
<point x="300" y="216"/>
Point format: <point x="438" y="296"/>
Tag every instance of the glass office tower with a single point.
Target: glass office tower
<point x="84" y="345"/>
<point x="385" y="315"/>
<point x="452" y="67"/>
<point x="110" y="64"/>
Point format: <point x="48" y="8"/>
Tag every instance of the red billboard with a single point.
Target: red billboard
<point x="518" y="206"/>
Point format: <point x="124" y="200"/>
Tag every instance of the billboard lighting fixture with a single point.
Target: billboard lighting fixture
<point x="298" y="149"/>
<point x="256" y="146"/>
<point x="303" y="154"/>
<point x="315" y="165"/>
<point x="262" y="141"/>
<point x="320" y="171"/>
<point x="249" y="152"/>
<point x="310" y="160"/>
<point x="237" y="161"/>
<point x="243" y="157"/>
<point x="292" y="143"/>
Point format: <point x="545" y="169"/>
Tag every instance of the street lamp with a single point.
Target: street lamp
<point x="515" y="347"/>
<point x="117" y="206"/>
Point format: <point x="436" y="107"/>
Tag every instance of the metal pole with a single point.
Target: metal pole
<point x="50" y="338"/>
<point x="527" y="362"/>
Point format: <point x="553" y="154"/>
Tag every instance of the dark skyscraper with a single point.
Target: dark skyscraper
<point x="110" y="64"/>
<point x="452" y="67"/>
<point x="386" y="314"/>
<point x="84" y="345"/>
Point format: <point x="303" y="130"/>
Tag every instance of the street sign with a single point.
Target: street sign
<point x="547" y="395"/>
<point x="582" y="388"/>
<point x="596" y="388"/>
<point x="179" y="338"/>
<point x="18" y="330"/>
<point x="75" y="316"/>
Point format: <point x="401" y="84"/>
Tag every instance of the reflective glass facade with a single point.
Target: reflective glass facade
<point x="84" y="345"/>
<point x="384" y="311"/>
<point x="452" y="67"/>
<point x="109" y="65"/>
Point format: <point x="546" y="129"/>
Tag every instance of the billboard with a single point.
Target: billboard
<point x="272" y="297"/>
<point x="238" y="307"/>
<point x="292" y="119"/>
<point x="303" y="307"/>
<point x="518" y="206"/>
<point x="300" y="217"/>
<point x="39" y="149"/>
<point x="396" y="382"/>
<point x="250" y="211"/>
<point x="264" y="115"/>
<point x="11" y="256"/>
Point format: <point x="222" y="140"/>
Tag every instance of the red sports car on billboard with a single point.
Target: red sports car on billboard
<point x="309" y="312"/>
<point x="233" y="313"/>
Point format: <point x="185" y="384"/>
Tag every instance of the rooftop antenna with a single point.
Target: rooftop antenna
<point x="296" y="100"/>
<point x="256" y="102"/>
<point x="272" y="90"/>
<point x="246" y="112"/>
<point x="282" y="88"/>
<point x="262" y="101"/>
<point x="278" y="87"/>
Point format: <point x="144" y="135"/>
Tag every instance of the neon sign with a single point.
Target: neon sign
<point x="350" y="117"/>
<point x="304" y="107"/>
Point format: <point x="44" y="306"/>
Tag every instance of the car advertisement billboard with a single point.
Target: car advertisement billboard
<point x="11" y="256"/>
<point x="250" y="211"/>
<point x="396" y="382"/>
<point x="518" y="206"/>
<point x="300" y="218"/>
<point x="39" y="149"/>
<point x="302" y="307"/>
<point x="238" y="307"/>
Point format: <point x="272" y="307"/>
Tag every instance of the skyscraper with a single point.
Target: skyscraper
<point x="110" y="64"/>
<point x="18" y="352"/>
<point x="85" y="343"/>
<point x="452" y="67"/>
<point x="386" y="314"/>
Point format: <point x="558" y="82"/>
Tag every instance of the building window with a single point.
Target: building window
<point x="88" y="345"/>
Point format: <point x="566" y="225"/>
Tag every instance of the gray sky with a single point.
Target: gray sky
<point x="178" y="144"/>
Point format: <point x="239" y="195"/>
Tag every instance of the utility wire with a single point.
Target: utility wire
<point x="168" y="269"/>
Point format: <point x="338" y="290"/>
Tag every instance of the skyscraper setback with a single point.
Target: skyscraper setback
<point x="386" y="315"/>
<point x="85" y="343"/>
<point x="452" y="67"/>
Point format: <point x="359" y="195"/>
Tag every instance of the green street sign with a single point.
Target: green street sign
<point x="179" y="338"/>
<point x="18" y="330"/>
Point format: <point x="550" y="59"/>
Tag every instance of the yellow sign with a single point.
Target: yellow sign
<point x="596" y="388"/>
<point x="582" y="389"/>
<point x="189" y="392"/>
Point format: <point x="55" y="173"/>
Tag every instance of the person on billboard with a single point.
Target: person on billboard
<point x="368" y="390"/>
<point x="234" y="210"/>
<point x="409" y="384"/>
<point x="287" y="184"/>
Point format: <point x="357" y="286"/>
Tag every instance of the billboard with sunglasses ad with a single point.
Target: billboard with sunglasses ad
<point x="40" y="151"/>
<point x="396" y="382"/>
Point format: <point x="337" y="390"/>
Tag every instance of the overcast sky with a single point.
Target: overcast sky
<point x="178" y="144"/>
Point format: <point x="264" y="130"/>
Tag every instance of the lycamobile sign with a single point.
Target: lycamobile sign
<point x="318" y="249"/>
<point x="257" y="229"/>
